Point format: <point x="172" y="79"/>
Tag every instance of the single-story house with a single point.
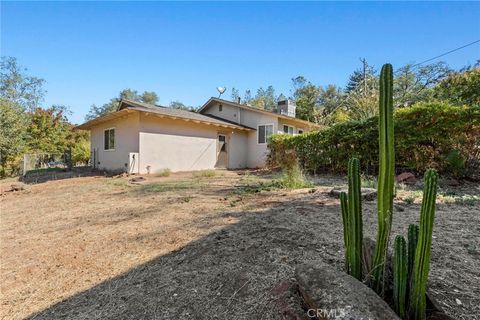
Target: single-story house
<point x="144" y="138"/>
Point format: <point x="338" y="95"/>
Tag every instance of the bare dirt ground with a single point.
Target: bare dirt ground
<point x="202" y="246"/>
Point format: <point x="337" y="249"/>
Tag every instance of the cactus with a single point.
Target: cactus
<point x="400" y="276"/>
<point x="385" y="177"/>
<point x="422" y="252"/>
<point x="355" y="225"/>
<point x="412" y="245"/>
<point x="346" y="229"/>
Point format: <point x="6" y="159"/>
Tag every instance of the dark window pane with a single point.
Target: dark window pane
<point x="261" y="134"/>
<point x="112" y="139"/>
<point x="105" y="140"/>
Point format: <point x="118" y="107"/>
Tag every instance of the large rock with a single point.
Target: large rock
<point x="406" y="177"/>
<point x="332" y="294"/>
<point x="367" y="193"/>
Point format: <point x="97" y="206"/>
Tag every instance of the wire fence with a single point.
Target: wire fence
<point x="46" y="162"/>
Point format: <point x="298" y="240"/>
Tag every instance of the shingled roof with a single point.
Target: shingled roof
<point x="126" y="106"/>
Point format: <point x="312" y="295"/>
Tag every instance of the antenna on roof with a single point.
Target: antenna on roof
<point x="221" y="90"/>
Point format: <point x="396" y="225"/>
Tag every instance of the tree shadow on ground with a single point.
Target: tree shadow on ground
<point x="243" y="271"/>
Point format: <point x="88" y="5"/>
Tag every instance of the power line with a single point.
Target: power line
<point x="444" y="54"/>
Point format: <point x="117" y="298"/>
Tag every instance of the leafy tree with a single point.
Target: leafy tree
<point x="461" y="88"/>
<point x="180" y="105"/>
<point x="247" y="97"/>
<point x="48" y="130"/>
<point x="360" y="80"/>
<point x="235" y="95"/>
<point x="413" y="85"/>
<point x="265" y="99"/>
<point x="13" y="122"/>
<point x="306" y="98"/>
<point x="146" y="97"/>
<point x="18" y="87"/>
<point x="79" y="144"/>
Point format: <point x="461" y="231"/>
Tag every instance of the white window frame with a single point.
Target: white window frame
<point x="300" y="129"/>
<point x="114" y="139"/>
<point x="258" y="132"/>
<point x="288" y="126"/>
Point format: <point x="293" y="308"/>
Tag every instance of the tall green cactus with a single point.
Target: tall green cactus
<point x="412" y="245"/>
<point x="346" y="229"/>
<point x="422" y="253"/>
<point x="355" y="224"/>
<point x="385" y="177"/>
<point x="400" y="277"/>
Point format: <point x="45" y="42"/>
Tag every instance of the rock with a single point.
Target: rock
<point x="407" y="177"/>
<point x="332" y="294"/>
<point x="452" y="182"/>
<point x="367" y="193"/>
<point x="18" y="186"/>
<point x="137" y="179"/>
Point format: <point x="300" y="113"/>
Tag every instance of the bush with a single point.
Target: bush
<point x="425" y="135"/>
<point x="163" y="172"/>
<point x="293" y="178"/>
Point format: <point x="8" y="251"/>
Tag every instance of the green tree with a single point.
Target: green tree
<point x="265" y="99"/>
<point x="235" y="95"/>
<point x="412" y="85"/>
<point x="48" y="130"/>
<point x="146" y="97"/>
<point x="461" y="88"/>
<point x="13" y="122"/>
<point x="18" y="87"/>
<point x="306" y="97"/>
<point x="180" y="105"/>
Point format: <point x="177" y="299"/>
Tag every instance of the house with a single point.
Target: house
<point x="144" y="138"/>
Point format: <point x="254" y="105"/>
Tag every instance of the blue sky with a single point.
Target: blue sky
<point x="88" y="51"/>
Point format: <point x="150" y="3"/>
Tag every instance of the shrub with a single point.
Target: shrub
<point x="425" y="135"/>
<point x="163" y="172"/>
<point x="293" y="178"/>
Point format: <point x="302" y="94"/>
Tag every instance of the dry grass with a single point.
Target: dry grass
<point x="196" y="246"/>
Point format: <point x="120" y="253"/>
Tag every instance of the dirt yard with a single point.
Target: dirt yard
<point x="202" y="246"/>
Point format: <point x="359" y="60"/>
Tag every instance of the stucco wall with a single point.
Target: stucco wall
<point x="183" y="146"/>
<point x="257" y="153"/>
<point x="238" y="151"/>
<point x="228" y="112"/>
<point x="126" y="141"/>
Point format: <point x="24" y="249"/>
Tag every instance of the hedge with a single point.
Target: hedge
<point x="427" y="135"/>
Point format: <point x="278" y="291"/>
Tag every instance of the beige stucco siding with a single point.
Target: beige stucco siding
<point x="228" y="112"/>
<point x="238" y="150"/>
<point x="257" y="153"/>
<point x="184" y="145"/>
<point x="126" y="141"/>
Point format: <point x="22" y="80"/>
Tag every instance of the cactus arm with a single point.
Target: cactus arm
<point x="385" y="176"/>
<point x="422" y="253"/>
<point x="346" y="229"/>
<point x="400" y="276"/>
<point x="355" y="236"/>
<point x="412" y="245"/>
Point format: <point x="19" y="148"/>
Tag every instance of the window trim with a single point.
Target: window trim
<point x="114" y="141"/>
<point x="258" y="132"/>
<point x="298" y="129"/>
<point x="289" y="126"/>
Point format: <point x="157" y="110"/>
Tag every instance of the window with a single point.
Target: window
<point x="288" y="129"/>
<point x="222" y="142"/>
<point x="264" y="131"/>
<point x="109" y="139"/>
<point x="300" y="131"/>
<point x="220" y="107"/>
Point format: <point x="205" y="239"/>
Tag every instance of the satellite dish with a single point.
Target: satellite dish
<point x="221" y="90"/>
